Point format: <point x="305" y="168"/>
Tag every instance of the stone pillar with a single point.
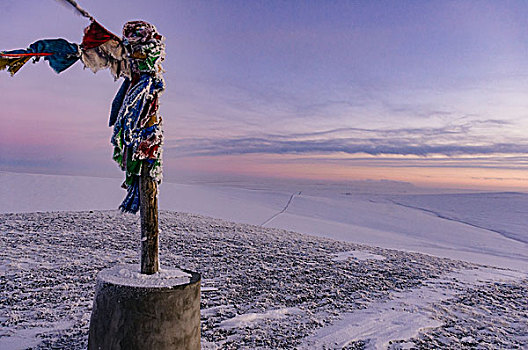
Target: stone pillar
<point x="137" y="311"/>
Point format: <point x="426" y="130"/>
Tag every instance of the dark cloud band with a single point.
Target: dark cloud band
<point x="448" y="141"/>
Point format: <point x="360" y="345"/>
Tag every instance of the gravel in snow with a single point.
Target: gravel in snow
<point x="261" y="288"/>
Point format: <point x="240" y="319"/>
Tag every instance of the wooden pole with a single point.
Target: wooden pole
<point x="148" y="190"/>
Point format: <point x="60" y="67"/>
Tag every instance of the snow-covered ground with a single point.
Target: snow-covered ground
<point x="485" y="228"/>
<point x="371" y="287"/>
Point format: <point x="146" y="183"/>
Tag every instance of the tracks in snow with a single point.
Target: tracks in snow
<point x="283" y="209"/>
<point x="441" y="216"/>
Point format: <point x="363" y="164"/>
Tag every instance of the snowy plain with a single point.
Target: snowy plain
<point x="480" y="227"/>
<point x="375" y="287"/>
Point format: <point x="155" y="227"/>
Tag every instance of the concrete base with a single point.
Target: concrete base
<point x="135" y="311"/>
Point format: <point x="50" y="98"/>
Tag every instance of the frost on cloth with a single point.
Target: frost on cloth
<point x="137" y="136"/>
<point x="131" y="202"/>
<point x="146" y="47"/>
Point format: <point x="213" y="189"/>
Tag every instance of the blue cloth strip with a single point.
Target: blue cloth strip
<point x="64" y="53"/>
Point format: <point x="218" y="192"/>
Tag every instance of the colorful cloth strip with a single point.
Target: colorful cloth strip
<point x="59" y="53"/>
<point x="100" y="49"/>
<point x="96" y="35"/>
<point x="137" y="136"/>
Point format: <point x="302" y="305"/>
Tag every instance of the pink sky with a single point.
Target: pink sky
<point x="430" y="93"/>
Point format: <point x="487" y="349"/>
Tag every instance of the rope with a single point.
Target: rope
<point x="79" y="9"/>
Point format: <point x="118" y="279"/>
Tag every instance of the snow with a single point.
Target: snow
<point x="130" y="275"/>
<point x="28" y="338"/>
<point x="41" y="193"/>
<point x="405" y="315"/>
<point x="388" y="265"/>
<point x="376" y="220"/>
<point x="360" y="255"/>
<point x="252" y="318"/>
<point x="36" y="192"/>
<point x="485" y="228"/>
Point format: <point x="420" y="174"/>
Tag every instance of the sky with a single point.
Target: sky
<point x="429" y="92"/>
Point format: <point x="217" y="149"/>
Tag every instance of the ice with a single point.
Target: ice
<point x="503" y="212"/>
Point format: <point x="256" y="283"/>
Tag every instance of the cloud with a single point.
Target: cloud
<point x="500" y="178"/>
<point x="451" y="140"/>
<point x="481" y="161"/>
<point x="349" y="146"/>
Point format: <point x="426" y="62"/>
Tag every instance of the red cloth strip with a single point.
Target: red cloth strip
<point x="24" y="54"/>
<point x="95" y="35"/>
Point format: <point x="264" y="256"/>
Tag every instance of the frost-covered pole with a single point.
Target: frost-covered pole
<point x="149" y="223"/>
<point x="138" y="136"/>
